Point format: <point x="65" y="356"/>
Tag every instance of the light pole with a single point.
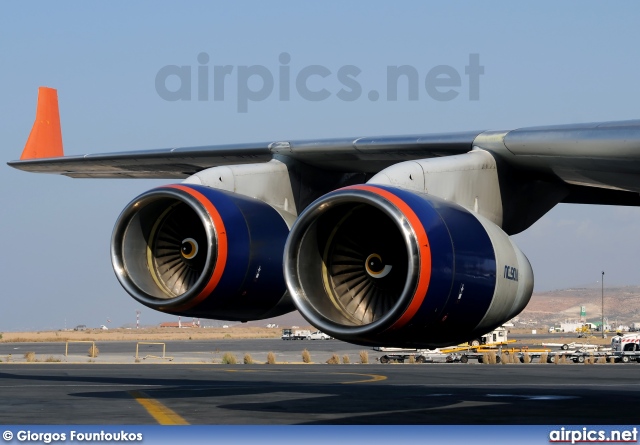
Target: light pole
<point x="602" y="321"/>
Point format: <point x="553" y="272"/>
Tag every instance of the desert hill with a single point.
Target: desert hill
<point x="621" y="305"/>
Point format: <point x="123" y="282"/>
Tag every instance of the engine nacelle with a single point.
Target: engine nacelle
<point x="196" y="251"/>
<point x="378" y="265"/>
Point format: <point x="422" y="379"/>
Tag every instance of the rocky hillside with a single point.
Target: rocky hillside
<point x="621" y="304"/>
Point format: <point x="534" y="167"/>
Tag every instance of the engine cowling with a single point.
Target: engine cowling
<point x="378" y="265"/>
<point x="196" y="251"/>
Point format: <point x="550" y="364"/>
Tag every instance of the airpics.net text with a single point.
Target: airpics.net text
<point x="314" y="83"/>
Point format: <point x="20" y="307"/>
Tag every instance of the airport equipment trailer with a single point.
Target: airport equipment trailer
<point x="572" y="345"/>
<point x="624" y="349"/>
<point x="473" y="349"/>
<point x="419" y="356"/>
<point x="442" y="355"/>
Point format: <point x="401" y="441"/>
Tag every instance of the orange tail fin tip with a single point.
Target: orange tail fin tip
<point x="45" y="139"/>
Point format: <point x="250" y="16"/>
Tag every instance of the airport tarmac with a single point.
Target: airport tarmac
<point x="61" y="393"/>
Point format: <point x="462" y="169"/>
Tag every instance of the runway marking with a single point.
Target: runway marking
<point x="162" y="414"/>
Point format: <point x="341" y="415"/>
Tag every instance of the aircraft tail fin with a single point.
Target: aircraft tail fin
<point x="45" y="139"/>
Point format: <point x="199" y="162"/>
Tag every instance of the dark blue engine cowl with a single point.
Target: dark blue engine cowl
<point x="196" y="251"/>
<point x="379" y="265"/>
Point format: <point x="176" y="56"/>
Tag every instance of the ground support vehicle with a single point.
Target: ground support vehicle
<point x="296" y="334"/>
<point x="626" y="348"/>
<point x="495" y="337"/>
<point x="319" y="335"/>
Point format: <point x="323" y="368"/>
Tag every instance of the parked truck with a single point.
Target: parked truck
<point x="626" y="348"/>
<point x="495" y="337"/>
<point x="296" y="334"/>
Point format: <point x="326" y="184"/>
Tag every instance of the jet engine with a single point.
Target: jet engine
<point x="380" y="265"/>
<point x="197" y="251"/>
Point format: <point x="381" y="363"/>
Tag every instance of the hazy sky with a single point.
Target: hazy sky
<point x="544" y="63"/>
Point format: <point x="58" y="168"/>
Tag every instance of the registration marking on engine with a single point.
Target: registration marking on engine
<point x="511" y="273"/>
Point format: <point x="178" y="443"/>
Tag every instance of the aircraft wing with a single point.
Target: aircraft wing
<point x="369" y="154"/>
<point x="601" y="155"/>
<point x="163" y="163"/>
<point x="599" y="165"/>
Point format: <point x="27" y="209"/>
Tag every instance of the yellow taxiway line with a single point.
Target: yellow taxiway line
<point x="371" y="377"/>
<point x="162" y="414"/>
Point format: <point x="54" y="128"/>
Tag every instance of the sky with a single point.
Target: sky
<point x="543" y="62"/>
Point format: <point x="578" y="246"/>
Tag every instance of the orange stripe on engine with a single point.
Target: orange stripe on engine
<point x="424" y="249"/>
<point x="221" y="259"/>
